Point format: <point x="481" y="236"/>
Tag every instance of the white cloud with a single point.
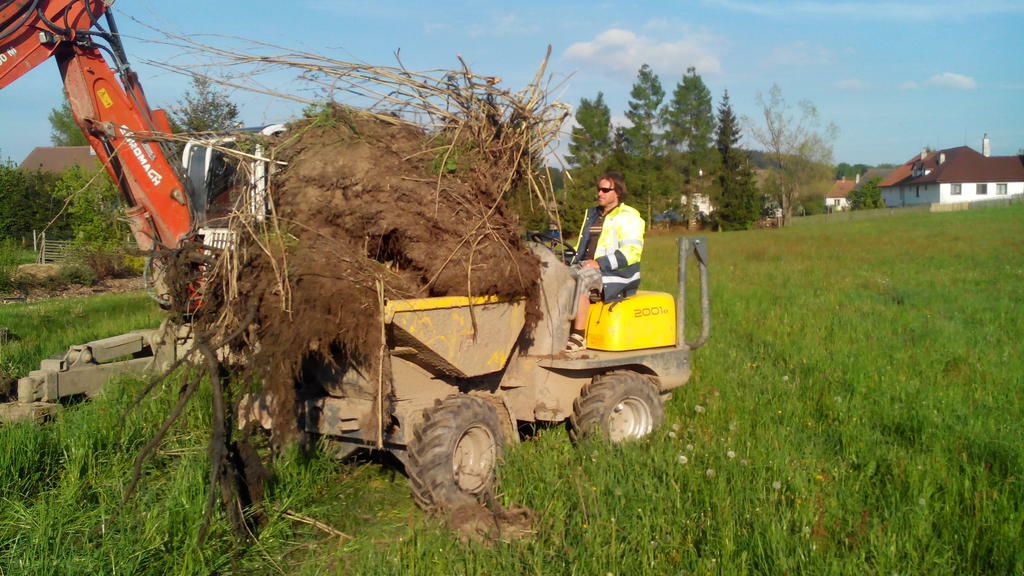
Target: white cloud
<point x="952" y="80"/>
<point x="623" y="51"/>
<point x="944" y="80"/>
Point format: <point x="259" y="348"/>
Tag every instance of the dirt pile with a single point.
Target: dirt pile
<point x="365" y="209"/>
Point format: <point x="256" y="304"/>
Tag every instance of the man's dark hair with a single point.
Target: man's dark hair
<point x="620" y="184"/>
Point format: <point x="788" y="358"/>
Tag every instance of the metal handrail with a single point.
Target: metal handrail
<point x="698" y="247"/>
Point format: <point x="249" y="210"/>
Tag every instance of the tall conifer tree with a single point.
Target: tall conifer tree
<point x="644" y="102"/>
<point x="591" y="141"/>
<point x="737" y="206"/>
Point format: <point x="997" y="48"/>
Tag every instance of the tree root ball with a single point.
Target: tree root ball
<point x="362" y="209"/>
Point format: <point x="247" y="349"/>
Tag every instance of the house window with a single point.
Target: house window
<point x="956" y="190"/>
<point x="917" y="191"/>
<point x="1001" y="189"/>
<point x="982" y="189"/>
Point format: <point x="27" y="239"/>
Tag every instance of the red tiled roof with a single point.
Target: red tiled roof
<point x="57" y="159"/>
<point x="961" y="164"/>
<point x="841" y="189"/>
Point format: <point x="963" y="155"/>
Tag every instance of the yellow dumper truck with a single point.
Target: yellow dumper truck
<point x="465" y="373"/>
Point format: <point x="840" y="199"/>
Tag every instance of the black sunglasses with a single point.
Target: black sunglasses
<point x="605" y="190"/>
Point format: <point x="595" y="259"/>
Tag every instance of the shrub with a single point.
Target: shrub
<point x="10" y="258"/>
<point x="74" y="274"/>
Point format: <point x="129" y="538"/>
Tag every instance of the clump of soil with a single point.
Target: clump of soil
<point x="491" y="522"/>
<point x="362" y="213"/>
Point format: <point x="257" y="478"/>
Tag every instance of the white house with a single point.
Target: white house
<point x="954" y="175"/>
<point x="838" y="198"/>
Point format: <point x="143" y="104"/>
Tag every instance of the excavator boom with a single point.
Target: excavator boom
<point x="108" y="103"/>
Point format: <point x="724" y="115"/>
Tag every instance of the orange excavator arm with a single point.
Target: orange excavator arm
<point x="108" y="104"/>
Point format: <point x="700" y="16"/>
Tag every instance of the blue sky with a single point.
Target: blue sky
<point x="892" y="76"/>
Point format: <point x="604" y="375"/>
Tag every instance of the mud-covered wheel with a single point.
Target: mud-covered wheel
<point x="454" y="453"/>
<point x="619" y="406"/>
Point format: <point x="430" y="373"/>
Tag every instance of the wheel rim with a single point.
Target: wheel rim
<point x="474" y="459"/>
<point x="630" y="418"/>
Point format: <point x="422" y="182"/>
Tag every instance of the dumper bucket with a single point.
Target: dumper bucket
<point x="455" y="335"/>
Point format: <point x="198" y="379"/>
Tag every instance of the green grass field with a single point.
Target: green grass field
<point x="858" y="410"/>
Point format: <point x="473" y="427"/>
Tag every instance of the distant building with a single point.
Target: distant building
<point x="954" y="175"/>
<point x="57" y="159"/>
<point x="838" y="198"/>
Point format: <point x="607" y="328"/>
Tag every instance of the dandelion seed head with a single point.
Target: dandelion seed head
<point x="785" y="378"/>
<point x="698" y="409"/>
<point x="710" y="472"/>
<point x="730" y="454"/>
<point x="676" y="426"/>
<point x="776" y="485"/>
<point x="671" y="434"/>
<point x="689" y="447"/>
<point x="683" y="459"/>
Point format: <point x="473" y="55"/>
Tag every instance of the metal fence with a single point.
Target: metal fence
<point x="48" y="250"/>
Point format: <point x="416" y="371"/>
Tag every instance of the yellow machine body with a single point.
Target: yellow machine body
<point x="646" y="320"/>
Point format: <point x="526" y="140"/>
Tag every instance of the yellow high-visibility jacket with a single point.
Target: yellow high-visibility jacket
<point x="619" y="248"/>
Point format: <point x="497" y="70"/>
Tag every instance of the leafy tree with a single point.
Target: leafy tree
<point x="591" y="142"/>
<point x="867" y="196"/>
<point x="96" y="216"/>
<point x="204" y="109"/>
<point x="27" y="204"/>
<point x="93" y="207"/>
<point x="644" y="101"/>
<point x="850" y="172"/>
<point x="737" y="206"/>
<point x="802" y="155"/>
<point x="64" y="131"/>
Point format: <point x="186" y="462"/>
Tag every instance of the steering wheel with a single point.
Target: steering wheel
<point x="554" y="244"/>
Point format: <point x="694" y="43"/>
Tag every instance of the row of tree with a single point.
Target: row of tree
<point x="678" y="150"/>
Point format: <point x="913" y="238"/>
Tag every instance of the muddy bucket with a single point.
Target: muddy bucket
<point x="455" y="335"/>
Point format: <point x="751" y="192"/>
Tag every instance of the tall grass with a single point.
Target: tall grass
<point x="36" y="330"/>
<point x="857" y="410"/>
<point x="12" y="254"/>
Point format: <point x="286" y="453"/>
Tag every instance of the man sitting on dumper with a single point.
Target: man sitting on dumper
<point x="607" y="259"/>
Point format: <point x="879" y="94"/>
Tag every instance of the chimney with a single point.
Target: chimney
<point x="857" y="181"/>
<point x="986" y="148"/>
<point x="942" y="158"/>
<point x="924" y="153"/>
